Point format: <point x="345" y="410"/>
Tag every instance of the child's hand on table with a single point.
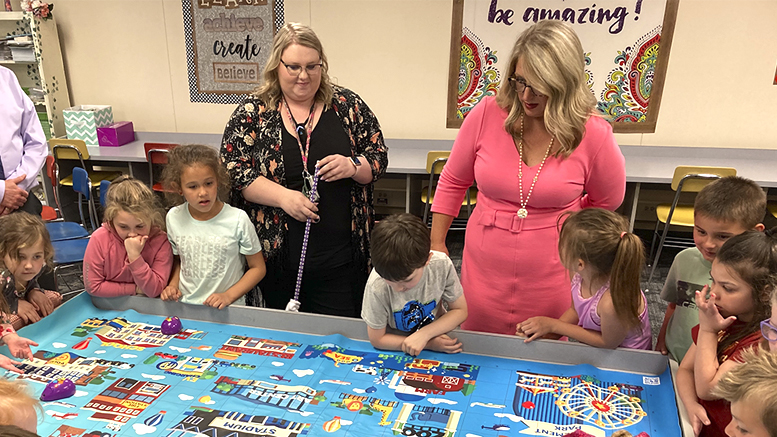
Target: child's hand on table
<point x="415" y="343"/>
<point x="40" y="301"/>
<point x="27" y="312"/>
<point x="219" y="300"/>
<point x="445" y="343"/>
<point x="535" y="327"/>
<point x="19" y="346"/>
<point x="9" y="364"/>
<point x="171" y="293"/>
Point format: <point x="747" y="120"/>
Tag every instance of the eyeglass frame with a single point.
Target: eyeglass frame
<point x="289" y="68"/>
<point x="514" y="80"/>
<point x="766" y="326"/>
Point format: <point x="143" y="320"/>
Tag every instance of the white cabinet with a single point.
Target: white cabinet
<point x="46" y="72"/>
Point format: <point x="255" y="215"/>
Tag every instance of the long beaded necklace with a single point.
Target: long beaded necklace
<point x="294" y="303"/>
<point x="305" y="128"/>
<point x="522" y="212"/>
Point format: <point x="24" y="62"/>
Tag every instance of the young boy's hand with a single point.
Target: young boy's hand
<point x="661" y="345"/>
<point x="219" y="300"/>
<point x="9" y="364"/>
<point x="710" y="319"/>
<point x="171" y="293"/>
<point x="415" y="343"/>
<point x="39" y="300"/>
<point x="27" y="312"/>
<point x="19" y="346"/>
<point x="445" y="343"/>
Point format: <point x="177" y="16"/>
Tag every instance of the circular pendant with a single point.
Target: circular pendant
<point x="522" y="213"/>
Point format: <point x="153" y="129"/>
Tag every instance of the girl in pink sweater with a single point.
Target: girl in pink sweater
<point x="130" y="253"/>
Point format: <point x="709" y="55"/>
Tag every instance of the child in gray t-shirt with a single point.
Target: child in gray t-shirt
<point x="407" y="287"/>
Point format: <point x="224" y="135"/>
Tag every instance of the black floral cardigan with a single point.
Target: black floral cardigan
<point x="251" y="147"/>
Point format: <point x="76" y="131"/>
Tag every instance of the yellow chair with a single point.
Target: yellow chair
<point x="435" y="161"/>
<point x="67" y="149"/>
<point x="688" y="179"/>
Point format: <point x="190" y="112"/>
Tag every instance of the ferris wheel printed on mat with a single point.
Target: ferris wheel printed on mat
<point x="606" y="408"/>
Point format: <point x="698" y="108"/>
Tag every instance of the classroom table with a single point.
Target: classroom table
<point x="317" y="373"/>
<point x="644" y="164"/>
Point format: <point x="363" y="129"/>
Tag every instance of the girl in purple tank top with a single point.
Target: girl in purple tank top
<point x="608" y="308"/>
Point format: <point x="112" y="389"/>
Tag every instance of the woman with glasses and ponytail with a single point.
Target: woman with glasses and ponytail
<point x="294" y="126"/>
<point x="537" y="150"/>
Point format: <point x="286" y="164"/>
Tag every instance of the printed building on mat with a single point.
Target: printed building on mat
<point x="238" y="344"/>
<point x="124" y="399"/>
<point x="216" y="423"/>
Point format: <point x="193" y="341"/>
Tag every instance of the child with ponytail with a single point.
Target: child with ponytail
<point x="605" y="260"/>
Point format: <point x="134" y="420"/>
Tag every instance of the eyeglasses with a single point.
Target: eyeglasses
<point x="296" y="70"/>
<point x="520" y="86"/>
<point x="768" y="330"/>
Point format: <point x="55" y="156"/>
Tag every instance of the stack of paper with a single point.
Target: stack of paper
<point x="21" y="48"/>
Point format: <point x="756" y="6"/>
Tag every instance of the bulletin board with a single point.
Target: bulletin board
<point x="227" y="46"/>
<point x="626" y="45"/>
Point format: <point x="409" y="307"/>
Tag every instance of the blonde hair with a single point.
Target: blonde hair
<point x="15" y="397"/>
<point x="292" y="33"/>
<point x="133" y="197"/>
<point x="554" y="65"/>
<point x="21" y="230"/>
<point x="191" y="155"/>
<point x="601" y="239"/>
<point x="755" y="382"/>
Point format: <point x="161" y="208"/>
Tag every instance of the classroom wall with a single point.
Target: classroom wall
<point x="395" y="53"/>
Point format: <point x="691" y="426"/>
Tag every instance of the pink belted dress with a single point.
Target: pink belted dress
<point x="510" y="268"/>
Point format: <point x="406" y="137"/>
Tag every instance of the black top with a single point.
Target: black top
<point x="329" y="243"/>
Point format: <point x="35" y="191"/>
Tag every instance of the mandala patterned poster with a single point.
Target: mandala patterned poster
<point x="625" y="43"/>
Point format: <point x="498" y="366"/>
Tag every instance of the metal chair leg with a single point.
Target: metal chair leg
<point x="653" y="242"/>
<point x="428" y="203"/>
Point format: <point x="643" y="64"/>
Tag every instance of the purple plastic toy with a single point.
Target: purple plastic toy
<point x="171" y="326"/>
<point x="59" y="389"/>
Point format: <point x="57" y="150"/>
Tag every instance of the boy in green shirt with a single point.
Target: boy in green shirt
<point x="726" y="207"/>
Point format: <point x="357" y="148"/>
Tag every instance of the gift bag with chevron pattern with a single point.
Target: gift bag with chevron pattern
<point x="81" y="122"/>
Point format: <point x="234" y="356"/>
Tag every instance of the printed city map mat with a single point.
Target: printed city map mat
<point x="132" y="380"/>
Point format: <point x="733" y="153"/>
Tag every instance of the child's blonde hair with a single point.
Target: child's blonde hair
<point x="192" y="155"/>
<point x="18" y="231"/>
<point x="755" y="381"/>
<point x="753" y="257"/>
<point x="133" y="197"/>
<point x="15" y="397"/>
<point x="601" y="239"/>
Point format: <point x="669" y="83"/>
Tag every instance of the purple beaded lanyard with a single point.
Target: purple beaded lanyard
<point x="294" y="303"/>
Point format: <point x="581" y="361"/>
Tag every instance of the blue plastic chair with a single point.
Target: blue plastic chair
<point x="83" y="186"/>
<point x="59" y="231"/>
<point x="69" y="254"/>
<point x="104" y="185"/>
<point x="58" y="228"/>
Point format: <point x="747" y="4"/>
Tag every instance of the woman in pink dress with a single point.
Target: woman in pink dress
<point x="536" y="151"/>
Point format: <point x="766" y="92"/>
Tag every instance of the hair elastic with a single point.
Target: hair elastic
<point x="623" y="233"/>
